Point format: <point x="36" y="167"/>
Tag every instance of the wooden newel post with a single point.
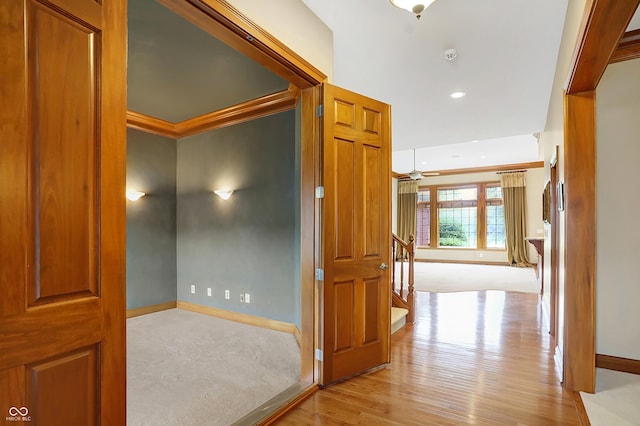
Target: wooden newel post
<point x="411" y="248"/>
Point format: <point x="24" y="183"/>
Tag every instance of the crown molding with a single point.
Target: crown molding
<point x="250" y="110"/>
<point x="628" y="48"/>
<point x="500" y="168"/>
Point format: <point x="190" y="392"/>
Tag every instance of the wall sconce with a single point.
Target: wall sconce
<point x="224" y="193"/>
<point x="135" y="195"/>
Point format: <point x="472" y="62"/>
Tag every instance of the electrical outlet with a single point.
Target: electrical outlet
<point x="209" y="291"/>
<point x="227" y="295"/>
<point x="247" y="298"/>
<point x="241" y="297"/>
<point x="193" y="289"/>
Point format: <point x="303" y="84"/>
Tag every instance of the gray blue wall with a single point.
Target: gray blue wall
<point x="247" y="244"/>
<point x="151" y="221"/>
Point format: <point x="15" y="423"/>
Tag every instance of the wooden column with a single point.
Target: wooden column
<point x="580" y="242"/>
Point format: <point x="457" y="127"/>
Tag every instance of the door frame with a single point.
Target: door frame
<point x="555" y="247"/>
<point x="603" y="25"/>
<point x="230" y="26"/>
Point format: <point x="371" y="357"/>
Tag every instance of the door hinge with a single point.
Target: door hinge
<point x="319" y="110"/>
<point x="319" y="354"/>
<point x="319" y="191"/>
<point x="320" y="274"/>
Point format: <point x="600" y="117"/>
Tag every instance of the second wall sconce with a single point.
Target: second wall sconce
<point x="223" y="193"/>
<point x="135" y="195"/>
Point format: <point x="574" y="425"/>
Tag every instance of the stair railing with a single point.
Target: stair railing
<point x="403" y="254"/>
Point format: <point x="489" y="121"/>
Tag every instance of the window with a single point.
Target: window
<point x="458" y="217"/>
<point x="423" y="237"/>
<point x="495" y="217"/>
<point x="464" y="216"/>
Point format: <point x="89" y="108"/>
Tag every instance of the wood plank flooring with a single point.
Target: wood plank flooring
<point x="471" y="358"/>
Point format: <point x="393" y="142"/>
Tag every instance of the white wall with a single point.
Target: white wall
<point x="618" y="207"/>
<point x="534" y="217"/>
<point x="553" y="136"/>
<point x="295" y="25"/>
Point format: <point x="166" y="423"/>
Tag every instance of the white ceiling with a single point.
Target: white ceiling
<point x="491" y="152"/>
<point x="507" y="52"/>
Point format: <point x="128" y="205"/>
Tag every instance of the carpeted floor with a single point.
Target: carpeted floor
<point x="185" y="368"/>
<point x="451" y="277"/>
<point x="615" y="401"/>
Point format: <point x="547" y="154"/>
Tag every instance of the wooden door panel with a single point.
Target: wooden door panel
<point x="62" y="210"/>
<point x="344" y="299"/>
<point x="63" y="66"/>
<point x="64" y="388"/>
<point x="372" y="121"/>
<point x="372" y="288"/>
<point x="344" y="113"/>
<point x="356" y="234"/>
<point x="344" y="188"/>
<point x="373" y="204"/>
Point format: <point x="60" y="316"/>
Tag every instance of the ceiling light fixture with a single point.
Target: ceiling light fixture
<point x="224" y="193"/>
<point x="413" y="6"/>
<point x="457" y="95"/>
<point x="415" y="174"/>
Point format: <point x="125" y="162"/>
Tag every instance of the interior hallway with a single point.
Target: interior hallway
<point x="472" y="357"/>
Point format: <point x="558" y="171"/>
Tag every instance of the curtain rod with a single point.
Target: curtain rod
<point x="511" y="171"/>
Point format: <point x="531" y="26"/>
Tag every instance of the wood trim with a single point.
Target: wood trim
<point x="149" y="124"/>
<point x="113" y="173"/>
<point x="628" y="48"/>
<point x="463" y="262"/>
<point x="227" y="24"/>
<point x="293" y="403"/>
<point x="144" y="310"/>
<point x="616" y="363"/>
<point x="484" y="169"/>
<point x="238" y="317"/>
<point x="310" y="136"/>
<point x="602" y="27"/>
<point x="554" y="249"/>
<point x="239" y="113"/>
<point x="298" y="336"/>
<point x="250" y="110"/>
<point x="580" y="240"/>
<point x="580" y="409"/>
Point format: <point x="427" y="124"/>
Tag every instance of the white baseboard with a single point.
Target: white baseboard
<point x="558" y="360"/>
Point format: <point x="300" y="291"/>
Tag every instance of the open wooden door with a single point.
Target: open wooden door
<point x="62" y="212"/>
<point x="356" y="296"/>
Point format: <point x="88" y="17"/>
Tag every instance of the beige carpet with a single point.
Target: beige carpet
<point x="190" y="369"/>
<point x="452" y="277"/>
<point x="616" y="401"/>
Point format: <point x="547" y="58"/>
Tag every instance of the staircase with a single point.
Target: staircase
<point x="403" y="306"/>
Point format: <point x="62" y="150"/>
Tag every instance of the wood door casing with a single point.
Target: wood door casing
<point x="555" y="247"/>
<point x="62" y="211"/>
<point x="356" y="234"/>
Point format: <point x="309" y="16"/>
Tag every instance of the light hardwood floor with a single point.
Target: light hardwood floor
<point x="471" y="358"/>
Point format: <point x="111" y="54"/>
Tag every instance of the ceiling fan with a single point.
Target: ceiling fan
<point x="417" y="174"/>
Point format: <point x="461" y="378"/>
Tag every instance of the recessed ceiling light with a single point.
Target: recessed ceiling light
<point x="476" y="141"/>
<point x="457" y="95"/>
<point x="424" y="162"/>
<point x="483" y="156"/>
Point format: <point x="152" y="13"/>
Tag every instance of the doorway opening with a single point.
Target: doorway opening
<point x="203" y="117"/>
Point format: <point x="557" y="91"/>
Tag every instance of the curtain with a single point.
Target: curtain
<point x="407" y="205"/>
<point x="515" y="221"/>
